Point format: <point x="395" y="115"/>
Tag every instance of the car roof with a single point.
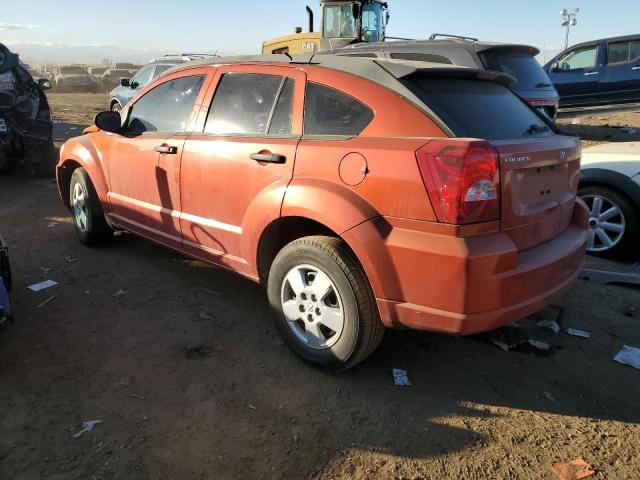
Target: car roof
<point x="477" y="46"/>
<point x="607" y="39"/>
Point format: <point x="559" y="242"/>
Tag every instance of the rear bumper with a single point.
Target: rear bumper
<point x="456" y="285"/>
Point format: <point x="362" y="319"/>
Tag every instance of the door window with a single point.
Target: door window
<point x="283" y="114"/>
<point x="244" y="104"/>
<point x="167" y="107"/>
<point x="161" y="69"/>
<point x="330" y="112"/>
<point x="579" y="59"/>
<point x="143" y="77"/>
<point x="618" y="52"/>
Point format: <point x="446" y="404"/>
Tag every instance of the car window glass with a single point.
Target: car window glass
<point x="339" y="21"/>
<point x="618" y="52"/>
<point x="167" y="107"/>
<point x="160" y="69"/>
<point x="524" y="68"/>
<point x="634" y="50"/>
<point x="143" y="77"/>
<point x="243" y="103"/>
<point x="330" y="112"/>
<point x="463" y="106"/>
<point x="583" y="58"/>
<point x="283" y="114"/>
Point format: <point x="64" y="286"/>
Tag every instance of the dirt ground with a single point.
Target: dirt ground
<point x="183" y="366"/>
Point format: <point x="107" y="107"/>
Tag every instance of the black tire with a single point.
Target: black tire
<point x="44" y="161"/>
<point x="115" y="107"/>
<point x="362" y="329"/>
<point x="628" y="244"/>
<point x="91" y="226"/>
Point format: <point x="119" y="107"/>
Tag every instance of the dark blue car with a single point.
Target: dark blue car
<point x="599" y="72"/>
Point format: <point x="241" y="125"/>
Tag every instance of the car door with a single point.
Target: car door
<point x="621" y="77"/>
<point x="236" y="169"/>
<point x="144" y="161"/>
<point x="575" y="75"/>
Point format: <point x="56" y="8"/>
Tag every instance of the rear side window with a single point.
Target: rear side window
<point x="167" y="107"/>
<point x="283" y="113"/>
<point x="243" y="104"/>
<point x="328" y="111"/>
<point x="524" y="68"/>
<point x="479" y="109"/>
<point x="422" y="57"/>
<point x="618" y="52"/>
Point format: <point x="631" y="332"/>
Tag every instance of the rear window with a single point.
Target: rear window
<point x="526" y="69"/>
<point x="479" y="109"/>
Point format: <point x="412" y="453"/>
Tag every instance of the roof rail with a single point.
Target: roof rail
<point x="456" y="37"/>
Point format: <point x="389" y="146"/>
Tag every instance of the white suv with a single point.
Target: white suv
<point x="610" y="185"/>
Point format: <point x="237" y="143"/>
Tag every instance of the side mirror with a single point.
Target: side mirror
<point x="108" y="121"/>
<point x="44" y="83"/>
<point x="134" y="85"/>
<point x="125" y="82"/>
<point x="555" y="66"/>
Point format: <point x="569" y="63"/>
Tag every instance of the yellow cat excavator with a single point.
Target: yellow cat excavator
<point x="342" y="23"/>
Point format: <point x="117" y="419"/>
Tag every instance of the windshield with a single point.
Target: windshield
<point x="339" y="22"/>
<point x="72" y="70"/>
<point x="372" y="23"/>
<point x="524" y="68"/>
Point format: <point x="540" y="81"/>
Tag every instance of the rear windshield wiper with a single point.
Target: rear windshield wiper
<point x="543" y="85"/>
<point x="533" y="129"/>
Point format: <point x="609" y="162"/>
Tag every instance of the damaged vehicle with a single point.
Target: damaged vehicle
<point x="26" y="128"/>
<point x="75" y="78"/>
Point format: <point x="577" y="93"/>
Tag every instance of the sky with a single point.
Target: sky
<point x="238" y="27"/>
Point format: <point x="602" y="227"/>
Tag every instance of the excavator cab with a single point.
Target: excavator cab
<point x="342" y="23"/>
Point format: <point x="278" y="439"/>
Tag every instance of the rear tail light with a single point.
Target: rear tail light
<point x="462" y="180"/>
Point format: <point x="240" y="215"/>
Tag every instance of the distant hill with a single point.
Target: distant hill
<point x="57" y="53"/>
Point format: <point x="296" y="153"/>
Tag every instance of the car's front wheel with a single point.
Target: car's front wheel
<point x="324" y="307"/>
<point x="89" y="221"/>
<point x="614" y="224"/>
<point x="115" y="107"/>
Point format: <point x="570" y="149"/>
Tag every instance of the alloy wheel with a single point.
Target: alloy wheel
<point x="312" y="306"/>
<point x="606" y="223"/>
<point x="80" y="210"/>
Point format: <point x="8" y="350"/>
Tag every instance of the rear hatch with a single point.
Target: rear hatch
<point x="538" y="168"/>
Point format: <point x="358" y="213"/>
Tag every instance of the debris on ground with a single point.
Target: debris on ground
<point x="573" y="470"/>
<point x="52" y="224"/>
<point x="199" y="351"/>
<point x="514" y="339"/>
<point x="603" y="277"/>
<point x="252" y="407"/>
<point x="87" y="427"/>
<point x="550" y="324"/>
<point x="205" y="316"/>
<point x="631" y="311"/>
<point x="36" y="287"/>
<point x="400" y="377"/>
<point x="42" y="304"/>
<point x="629" y="356"/>
<point x="71" y="259"/>
<point x="549" y="397"/>
<point x="578" y="333"/>
<point x="119" y="293"/>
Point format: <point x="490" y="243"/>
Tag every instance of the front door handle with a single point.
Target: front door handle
<point x="635" y="68"/>
<point x="171" y="150"/>
<point x="268" y="157"/>
<point x="588" y="74"/>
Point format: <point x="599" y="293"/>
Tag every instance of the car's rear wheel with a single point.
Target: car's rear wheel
<point x="614" y="228"/>
<point x="88" y="215"/>
<point x="324" y="307"/>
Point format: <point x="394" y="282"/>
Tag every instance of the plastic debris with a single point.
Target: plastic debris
<point x="252" y="407"/>
<point x="574" y="470"/>
<point x="631" y="311"/>
<point x="119" y="293"/>
<point x="87" y="427"/>
<point x="42" y="304"/>
<point x="205" y="316"/>
<point x="549" y="397"/>
<point x="400" y="377"/>
<point x="578" y="333"/>
<point x="515" y="339"/>
<point x="629" y="356"/>
<point x="550" y="324"/>
<point x="71" y="259"/>
<point x="36" y="287"/>
<point x="52" y="224"/>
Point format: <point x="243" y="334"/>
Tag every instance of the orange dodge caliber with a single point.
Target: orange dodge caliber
<point x="364" y="193"/>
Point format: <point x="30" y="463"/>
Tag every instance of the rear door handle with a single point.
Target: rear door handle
<point x="166" y="149"/>
<point x="268" y="157"/>
<point x="635" y="68"/>
<point x="588" y="74"/>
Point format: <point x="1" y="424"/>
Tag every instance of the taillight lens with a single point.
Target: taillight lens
<point x="462" y="179"/>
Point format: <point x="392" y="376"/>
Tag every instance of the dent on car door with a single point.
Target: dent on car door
<point x="144" y="161"/>
<point x="576" y="75"/>
<point x="235" y="171"/>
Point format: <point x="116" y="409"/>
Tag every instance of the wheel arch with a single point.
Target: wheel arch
<point x="600" y="177"/>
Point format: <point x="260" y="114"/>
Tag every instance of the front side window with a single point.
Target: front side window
<point x="634" y="50"/>
<point x="143" y="77"/>
<point x="339" y="22"/>
<point x="167" y="107"/>
<point x="244" y="104"/>
<point x="330" y="112"/>
<point x="578" y="59"/>
<point x="618" y="52"/>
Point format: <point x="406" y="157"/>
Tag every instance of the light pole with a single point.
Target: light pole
<point x="569" y="20"/>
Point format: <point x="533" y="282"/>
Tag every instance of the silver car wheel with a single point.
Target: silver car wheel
<point x="312" y="306"/>
<point x="606" y="223"/>
<point x="79" y="204"/>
